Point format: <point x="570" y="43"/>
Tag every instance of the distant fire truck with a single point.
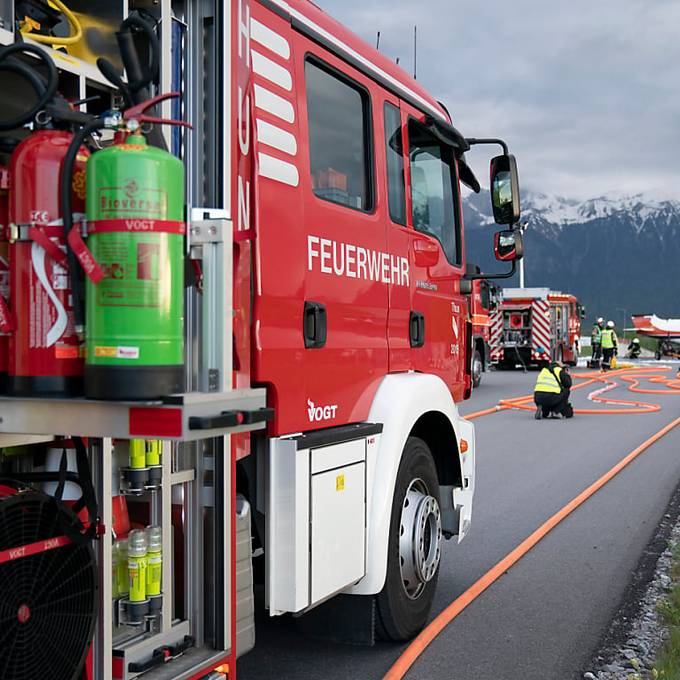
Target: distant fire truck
<point x="530" y="324"/>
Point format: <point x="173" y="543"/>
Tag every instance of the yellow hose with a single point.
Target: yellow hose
<point x="53" y="40"/>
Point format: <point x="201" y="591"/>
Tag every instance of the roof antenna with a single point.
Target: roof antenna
<point x="415" y="52"/>
<point x="377" y="42"/>
<point x="397" y="61"/>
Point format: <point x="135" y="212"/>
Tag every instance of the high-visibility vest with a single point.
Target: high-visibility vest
<point x="595" y="335"/>
<point x="547" y="382"/>
<point x="608" y="339"/>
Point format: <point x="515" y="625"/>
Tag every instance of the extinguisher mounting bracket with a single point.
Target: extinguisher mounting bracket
<point x="209" y="231"/>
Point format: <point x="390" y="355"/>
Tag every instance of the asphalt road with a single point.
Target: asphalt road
<point x="545" y="617"/>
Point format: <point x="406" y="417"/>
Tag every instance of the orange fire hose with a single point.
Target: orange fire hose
<point x="631" y="376"/>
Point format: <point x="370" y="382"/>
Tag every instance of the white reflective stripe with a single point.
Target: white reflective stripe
<point x="274" y="136"/>
<point x="399" y="86"/>
<point x="272" y="71"/>
<point x="278" y="170"/>
<point x="272" y="103"/>
<point x="270" y="39"/>
<point x="60" y="323"/>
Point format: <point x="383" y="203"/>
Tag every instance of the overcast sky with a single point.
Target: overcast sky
<point x="586" y="92"/>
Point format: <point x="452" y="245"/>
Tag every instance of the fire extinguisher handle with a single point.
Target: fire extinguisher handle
<point x="137" y="112"/>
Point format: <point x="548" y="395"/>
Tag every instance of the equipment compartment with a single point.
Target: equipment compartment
<point x="316" y="520"/>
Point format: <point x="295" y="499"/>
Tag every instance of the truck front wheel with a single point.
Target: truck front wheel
<point x="415" y="546"/>
<point x="477" y="368"/>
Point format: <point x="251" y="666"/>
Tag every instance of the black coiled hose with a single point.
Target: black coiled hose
<point x="46" y="90"/>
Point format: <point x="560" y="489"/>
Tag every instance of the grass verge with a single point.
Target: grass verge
<point x="668" y="662"/>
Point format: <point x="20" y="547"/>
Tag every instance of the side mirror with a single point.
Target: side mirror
<point x="465" y="286"/>
<point x="508" y="245"/>
<point x="505" y="189"/>
<point x="582" y="312"/>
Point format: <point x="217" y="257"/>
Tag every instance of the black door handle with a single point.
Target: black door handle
<point x="315" y="325"/>
<point x="416" y="329"/>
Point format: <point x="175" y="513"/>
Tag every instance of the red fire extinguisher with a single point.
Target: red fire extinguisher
<point x="44" y="347"/>
<point x="6" y="324"/>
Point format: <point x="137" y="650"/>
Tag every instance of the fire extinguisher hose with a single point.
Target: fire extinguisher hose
<point x="139" y="76"/>
<point x="65" y="182"/>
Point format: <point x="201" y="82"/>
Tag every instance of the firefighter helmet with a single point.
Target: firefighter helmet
<point x="610" y="324"/>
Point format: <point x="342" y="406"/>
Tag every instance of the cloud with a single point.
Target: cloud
<point x="584" y="92"/>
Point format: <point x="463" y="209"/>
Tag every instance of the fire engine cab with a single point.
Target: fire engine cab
<point x="231" y="350"/>
<point x="530" y="324"/>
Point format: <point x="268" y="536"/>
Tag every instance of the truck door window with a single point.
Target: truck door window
<point x="339" y="138"/>
<point x="395" y="164"/>
<point x="434" y="198"/>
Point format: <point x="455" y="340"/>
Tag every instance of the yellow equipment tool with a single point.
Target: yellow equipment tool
<point x="30" y="27"/>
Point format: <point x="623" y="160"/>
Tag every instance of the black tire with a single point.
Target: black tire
<point x="400" y="617"/>
<point x="575" y="352"/>
<point x="477" y="372"/>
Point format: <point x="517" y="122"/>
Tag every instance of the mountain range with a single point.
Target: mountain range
<point x="620" y="255"/>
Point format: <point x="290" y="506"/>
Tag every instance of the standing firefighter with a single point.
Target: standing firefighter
<point x="551" y="394"/>
<point x="610" y="345"/>
<point x="596" y="342"/>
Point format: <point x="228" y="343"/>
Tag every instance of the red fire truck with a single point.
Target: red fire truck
<point x="327" y="342"/>
<point x="483" y="302"/>
<point x="531" y="324"/>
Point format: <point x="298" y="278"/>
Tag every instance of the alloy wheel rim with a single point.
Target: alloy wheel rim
<point x="420" y="538"/>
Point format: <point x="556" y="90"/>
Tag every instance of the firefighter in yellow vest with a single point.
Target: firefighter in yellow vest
<point x="610" y="345"/>
<point x="551" y="394"/>
<point x="595" y="343"/>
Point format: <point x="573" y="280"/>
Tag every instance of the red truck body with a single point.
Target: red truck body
<point x="330" y="329"/>
<point x="310" y="248"/>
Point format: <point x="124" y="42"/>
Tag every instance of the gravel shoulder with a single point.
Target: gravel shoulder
<point x="637" y="634"/>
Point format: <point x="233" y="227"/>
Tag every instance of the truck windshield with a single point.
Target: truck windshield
<point x="434" y="196"/>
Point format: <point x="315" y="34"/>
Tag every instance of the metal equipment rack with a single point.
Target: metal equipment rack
<point x="197" y="459"/>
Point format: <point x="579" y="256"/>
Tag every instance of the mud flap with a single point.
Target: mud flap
<point x="450" y="514"/>
<point x="345" y="619"/>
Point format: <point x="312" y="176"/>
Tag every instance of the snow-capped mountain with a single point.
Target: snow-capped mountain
<point x="561" y="211"/>
<point x="615" y="252"/>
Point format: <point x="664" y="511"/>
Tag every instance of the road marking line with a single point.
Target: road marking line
<point x="439" y="623"/>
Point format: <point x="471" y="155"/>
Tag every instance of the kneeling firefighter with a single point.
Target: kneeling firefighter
<point x="634" y="348"/>
<point x="551" y="394"/>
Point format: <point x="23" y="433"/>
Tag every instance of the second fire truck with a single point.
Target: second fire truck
<point x="531" y="324"/>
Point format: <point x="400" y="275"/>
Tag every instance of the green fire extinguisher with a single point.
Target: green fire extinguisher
<point x="135" y="226"/>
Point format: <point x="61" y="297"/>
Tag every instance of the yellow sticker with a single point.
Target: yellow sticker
<point x="340" y="483"/>
<point x="105" y="351"/>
